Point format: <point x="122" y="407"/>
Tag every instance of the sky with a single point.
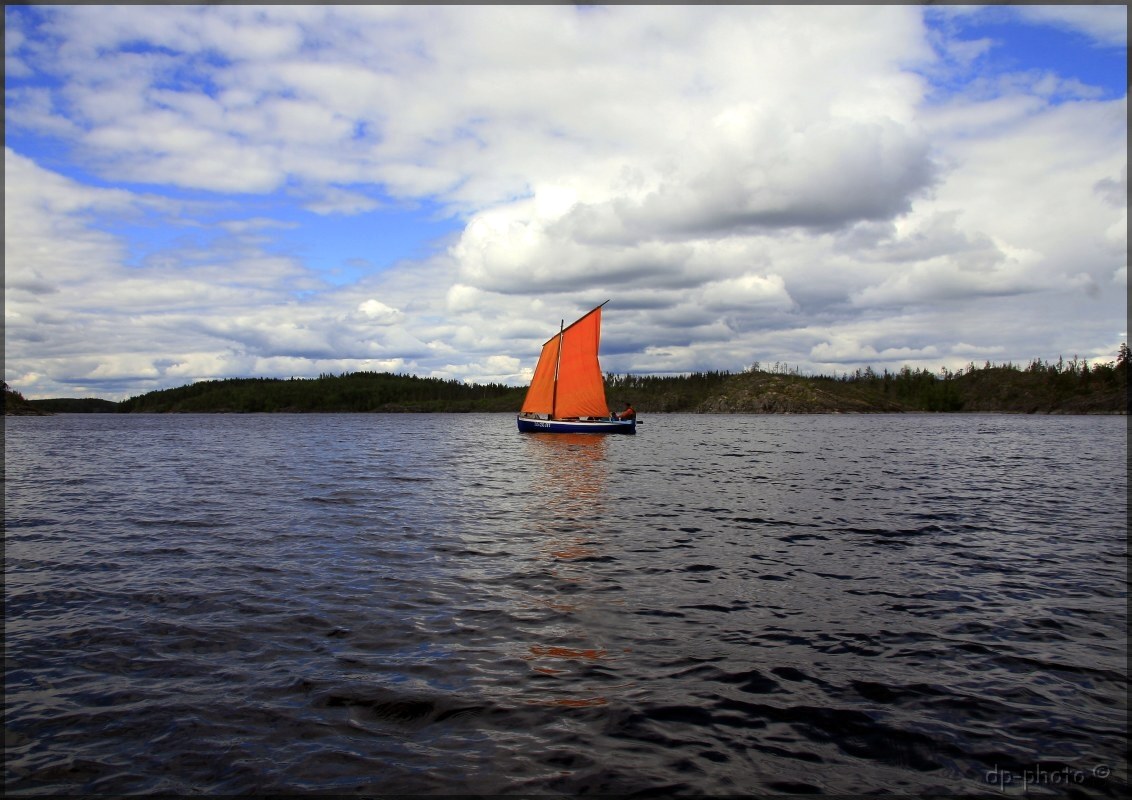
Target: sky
<point x="200" y="192"/>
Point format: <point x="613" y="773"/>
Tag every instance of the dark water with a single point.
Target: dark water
<point x="439" y="604"/>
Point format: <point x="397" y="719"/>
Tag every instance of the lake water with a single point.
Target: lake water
<point x="438" y="604"/>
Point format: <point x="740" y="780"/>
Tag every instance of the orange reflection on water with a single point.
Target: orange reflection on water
<point x="577" y="549"/>
<point x="570" y="476"/>
<point x="589" y="654"/>
<point x="571" y="470"/>
<point x="586" y="654"/>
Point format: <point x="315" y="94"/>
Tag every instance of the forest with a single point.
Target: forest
<point x="1042" y="387"/>
<point x="1061" y="387"/>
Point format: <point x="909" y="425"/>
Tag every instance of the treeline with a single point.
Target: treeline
<point x="351" y="392"/>
<point x="1068" y="387"/>
<point x="1074" y="386"/>
<point x="660" y="393"/>
<point x="76" y="405"/>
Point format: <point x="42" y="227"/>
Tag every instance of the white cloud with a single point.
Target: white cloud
<point x="378" y="313"/>
<point x="746" y="292"/>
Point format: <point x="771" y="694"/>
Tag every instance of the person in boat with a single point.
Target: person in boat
<point x="627" y="414"/>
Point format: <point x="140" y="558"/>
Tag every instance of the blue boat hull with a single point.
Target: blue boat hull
<point x="531" y="425"/>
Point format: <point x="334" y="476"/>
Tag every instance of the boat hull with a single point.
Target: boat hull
<point x="531" y="425"/>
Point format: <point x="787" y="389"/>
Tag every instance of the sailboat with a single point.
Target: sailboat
<point x="567" y="394"/>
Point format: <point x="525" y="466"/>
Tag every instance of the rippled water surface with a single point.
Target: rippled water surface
<point x="438" y="604"/>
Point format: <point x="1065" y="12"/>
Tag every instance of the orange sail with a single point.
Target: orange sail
<point x="567" y="381"/>
<point x="540" y="397"/>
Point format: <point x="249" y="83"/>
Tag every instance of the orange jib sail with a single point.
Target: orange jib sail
<point x="567" y="381"/>
<point x="540" y="397"/>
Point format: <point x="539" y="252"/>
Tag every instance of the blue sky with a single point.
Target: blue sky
<point x="1024" y="43"/>
<point x="216" y="191"/>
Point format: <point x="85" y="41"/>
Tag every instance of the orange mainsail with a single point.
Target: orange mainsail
<point x="567" y="380"/>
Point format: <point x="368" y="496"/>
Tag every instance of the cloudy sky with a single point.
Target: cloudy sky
<point x="220" y="191"/>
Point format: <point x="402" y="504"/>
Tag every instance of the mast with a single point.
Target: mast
<point x="557" y="363"/>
